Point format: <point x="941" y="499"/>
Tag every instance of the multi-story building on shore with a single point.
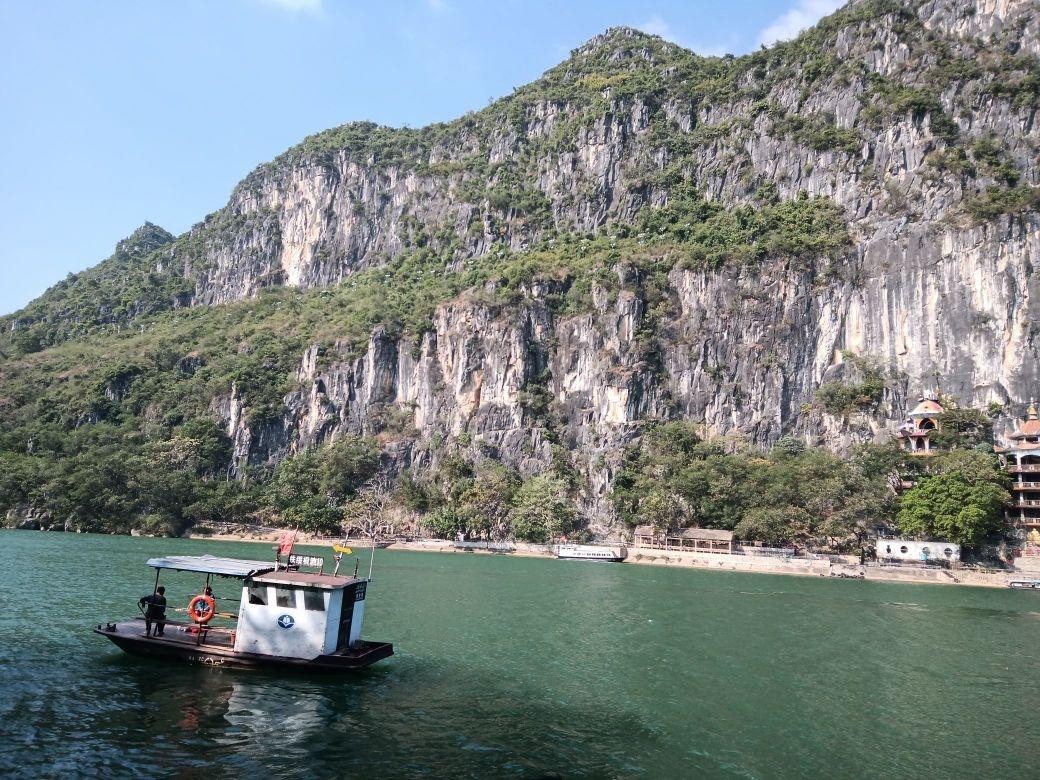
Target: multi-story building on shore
<point x="1020" y="453"/>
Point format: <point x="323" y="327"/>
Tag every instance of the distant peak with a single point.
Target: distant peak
<point x="622" y="31"/>
<point x="613" y="36"/>
<point x="151" y="229"/>
<point x="147" y="238"/>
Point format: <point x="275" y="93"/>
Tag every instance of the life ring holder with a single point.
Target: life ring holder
<point x="202" y="608"/>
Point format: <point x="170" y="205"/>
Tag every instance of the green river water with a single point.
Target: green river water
<point x="513" y="667"/>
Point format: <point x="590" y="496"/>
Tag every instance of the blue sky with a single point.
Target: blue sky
<point x="113" y="113"/>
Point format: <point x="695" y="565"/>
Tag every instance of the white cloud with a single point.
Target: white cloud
<point x="655" y="25"/>
<point x="297" y="6"/>
<point x="712" y="49"/>
<point x="803" y="14"/>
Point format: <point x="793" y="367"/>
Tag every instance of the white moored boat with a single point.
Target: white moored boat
<point x="590" y="552"/>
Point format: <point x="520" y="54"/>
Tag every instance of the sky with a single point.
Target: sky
<point x="119" y="112"/>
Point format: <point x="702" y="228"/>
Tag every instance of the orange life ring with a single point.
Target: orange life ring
<point x="201" y="609"/>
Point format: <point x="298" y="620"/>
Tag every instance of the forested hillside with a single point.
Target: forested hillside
<point x="488" y="315"/>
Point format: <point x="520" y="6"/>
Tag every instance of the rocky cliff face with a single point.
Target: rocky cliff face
<point x="590" y="149"/>
<point x="919" y="119"/>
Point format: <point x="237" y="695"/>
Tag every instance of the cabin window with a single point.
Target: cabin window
<point x="947" y="552"/>
<point x="258" y="594"/>
<point x="285" y="597"/>
<point x="314" y="600"/>
<point x="925" y="552"/>
<point x="903" y="550"/>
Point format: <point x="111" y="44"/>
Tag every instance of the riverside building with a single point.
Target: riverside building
<point x="1020" y="453"/>
<point x="916" y="430"/>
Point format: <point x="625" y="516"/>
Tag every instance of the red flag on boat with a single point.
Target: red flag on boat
<point x="286" y="543"/>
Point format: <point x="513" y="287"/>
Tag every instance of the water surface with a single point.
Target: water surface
<point x="527" y="667"/>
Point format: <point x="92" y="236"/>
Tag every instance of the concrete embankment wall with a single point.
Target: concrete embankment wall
<point x="822" y="568"/>
<point x="941" y="576"/>
<point x="725" y="562"/>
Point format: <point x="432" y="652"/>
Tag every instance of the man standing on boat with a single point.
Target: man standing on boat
<point x="156" y="611"/>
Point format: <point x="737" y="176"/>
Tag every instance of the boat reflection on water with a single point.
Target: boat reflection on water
<point x="256" y="717"/>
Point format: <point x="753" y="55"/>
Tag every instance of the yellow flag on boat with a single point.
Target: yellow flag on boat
<point x="341" y="549"/>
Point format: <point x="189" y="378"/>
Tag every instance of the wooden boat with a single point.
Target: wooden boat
<point x="286" y="618"/>
<point x="589" y="552"/>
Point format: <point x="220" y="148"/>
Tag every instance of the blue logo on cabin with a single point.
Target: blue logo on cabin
<point x="286" y="621"/>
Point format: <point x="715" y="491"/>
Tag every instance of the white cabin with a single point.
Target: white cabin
<point x="904" y="550"/>
<point x="295" y="614"/>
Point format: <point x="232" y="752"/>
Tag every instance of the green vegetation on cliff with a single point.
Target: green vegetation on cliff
<point x="791" y="495"/>
<point x="125" y="396"/>
<point x="116" y="385"/>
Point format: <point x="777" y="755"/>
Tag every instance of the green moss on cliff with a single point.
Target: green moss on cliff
<point x="999" y="201"/>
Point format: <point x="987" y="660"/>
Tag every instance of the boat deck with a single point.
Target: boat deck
<point x="181" y="632"/>
<point x="215" y="647"/>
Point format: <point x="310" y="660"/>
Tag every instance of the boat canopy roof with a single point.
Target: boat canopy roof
<point x="212" y="564"/>
<point x="306" y="579"/>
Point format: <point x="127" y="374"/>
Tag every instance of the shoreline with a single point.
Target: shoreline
<point x="797" y="567"/>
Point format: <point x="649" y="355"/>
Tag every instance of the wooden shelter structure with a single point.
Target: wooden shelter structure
<point x="648" y="536"/>
<point x="691" y="539"/>
<point x="706" y="540"/>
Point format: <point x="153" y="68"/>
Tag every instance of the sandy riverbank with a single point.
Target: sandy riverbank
<point x="802" y="567"/>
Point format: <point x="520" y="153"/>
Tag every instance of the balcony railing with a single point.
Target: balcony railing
<point x="1025" y="485"/>
<point x="1014" y="468"/>
<point x="1024" y="503"/>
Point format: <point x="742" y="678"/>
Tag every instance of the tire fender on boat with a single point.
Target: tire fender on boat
<point x="202" y="608"/>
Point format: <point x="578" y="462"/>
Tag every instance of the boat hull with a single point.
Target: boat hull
<point x="588" y="552"/>
<point x="129" y="637"/>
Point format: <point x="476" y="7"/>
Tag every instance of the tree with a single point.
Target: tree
<point x="961" y="502"/>
<point x="296" y="491"/>
<point x="773" y="525"/>
<point x="443" y="522"/>
<point x="787" y="446"/>
<point x="662" y="507"/>
<point x="18" y="474"/>
<point x="962" y="429"/>
<point x="415" y="495"/>
<point x="346" y="464"/>
<point x="212" y="445"/>
<point x="716" y="487"/>
<point x="312" y="488"/>
<point x="795" y="494"/>
<point x="542" y="511"/>
<point x="484" y="506"/>
<point x="368" y="511"/>
<point x="673" y="479"/>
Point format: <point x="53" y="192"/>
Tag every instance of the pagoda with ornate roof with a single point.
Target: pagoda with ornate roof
<point x="1021" y="455"/>
<point x="919" y="425"/>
